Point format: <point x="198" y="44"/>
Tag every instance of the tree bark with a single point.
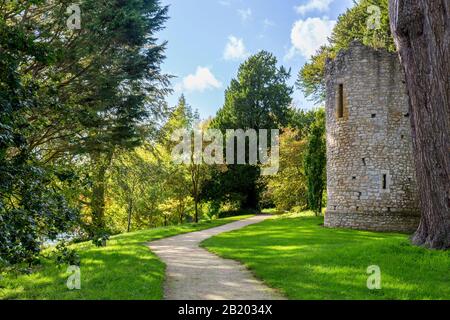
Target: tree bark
<point x="130" y="211"/>
<point x="421" y="30"/>
<point x="196" y="209"/>
<point x="101" y="165"/>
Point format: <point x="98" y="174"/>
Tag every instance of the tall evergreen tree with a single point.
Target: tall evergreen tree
<point x="315" y="163"/>
<point x="257" y="99"/>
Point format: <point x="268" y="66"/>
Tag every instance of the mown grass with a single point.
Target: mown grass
<point x="300" y="257"/>
<point x="125" y="269"/>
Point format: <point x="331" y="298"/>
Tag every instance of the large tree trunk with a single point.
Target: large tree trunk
<point x="421" y="29"/>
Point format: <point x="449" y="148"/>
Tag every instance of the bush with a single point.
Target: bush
<point x="66" y="255"/>
<point x="100" y="238"/>
<point x="235" y="213"/>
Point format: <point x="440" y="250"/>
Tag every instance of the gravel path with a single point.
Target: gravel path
<point x="193" y="273"/>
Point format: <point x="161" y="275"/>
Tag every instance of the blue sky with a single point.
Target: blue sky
<point x="208" y="39"/>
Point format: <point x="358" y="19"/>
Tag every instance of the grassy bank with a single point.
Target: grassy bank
<point x="297" y="255"/>
<point x="125" y="269"/>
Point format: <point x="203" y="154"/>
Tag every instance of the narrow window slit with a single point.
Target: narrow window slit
<point x="340" y="110"/>
<point x="384" y="181"/>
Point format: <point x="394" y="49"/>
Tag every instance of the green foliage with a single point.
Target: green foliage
<point x="100" y="238"/>
<point x="145" y="188"/>
<point x="311" y="76"/>
<point x="315" y="163"/>
<point x="301" y="179"/>
<point x="68" y="100"/>
<point x="259" y="98"/>
<point x="287" y="189"/>
<point x="32" y="207"/>
<point x="351" y="26"/>
<point x="134" y="191"/>
<point x="66" y="256"/>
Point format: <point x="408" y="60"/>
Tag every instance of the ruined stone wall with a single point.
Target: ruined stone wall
<point x="371" y="180"/>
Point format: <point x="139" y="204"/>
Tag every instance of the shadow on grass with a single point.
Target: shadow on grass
<point x="307" y="261"/>
<point x="125" y="269"/>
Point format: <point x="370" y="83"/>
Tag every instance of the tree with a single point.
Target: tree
<point x="198" y="171"/>
<point x="129" y="178"/>
<point x="311" y="78"/>
<point x="257" y="99"/>
<point x="351" y="26"/>
<point x="183" y="175"/>
<point x="105" y="82"/>
<point x="422" y="34"/>
<point x="288" y="189"/>
<point x="130" y="88"/>
<point x="315" y="162"/>
<point x="69" y="99"/>
<point x="32" y="206"/>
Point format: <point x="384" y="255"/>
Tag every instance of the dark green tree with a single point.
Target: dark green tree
<point x="258" y="98"/>
<point x="315" y="162"/>
<point x="32" y="207"/>
<point x="71" y="97"/>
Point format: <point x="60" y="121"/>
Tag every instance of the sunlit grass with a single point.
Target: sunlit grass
<point x="297" y="255"/>
<point x="125" y="269"/>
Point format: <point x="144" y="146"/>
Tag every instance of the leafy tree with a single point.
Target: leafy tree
<point x="301" y="179"/>
<point x="351" y="26"/>
<point x="301" y="120"/>
<point x="199" y="173"/>
<point x="183" y="179"/>
<point x="257" y="99"/>
<point x="288" y="188"/>
<point x="311" y="76"/>
<point x="315" y="162"/>
<point x="130" y="88"/>
<point x="70" y="98"/>
<point x="104" y="84"/>
<point x="129" y="179"/>
<point x="32" y="207"/>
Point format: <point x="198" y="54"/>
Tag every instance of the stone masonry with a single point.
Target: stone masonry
<point x="371" y="179"/>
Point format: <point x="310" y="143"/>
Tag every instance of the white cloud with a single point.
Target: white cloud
<point x="313" y="5"/>
<point x="307" y="36"/>
<point x="224" y="3"/>
<point x="268" y="23"/>
<point x="202" y="80"/>
<point x="245" y="14"/>
<point x="235" y="49"/>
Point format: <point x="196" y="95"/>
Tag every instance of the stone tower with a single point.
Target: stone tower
<point x="371" y="178"/>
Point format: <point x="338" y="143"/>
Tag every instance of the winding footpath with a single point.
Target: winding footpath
<point x="193" y="273"/>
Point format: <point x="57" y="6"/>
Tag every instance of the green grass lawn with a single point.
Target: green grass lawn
<point x="125" y="269"/>
<point x="300" y="257"/>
